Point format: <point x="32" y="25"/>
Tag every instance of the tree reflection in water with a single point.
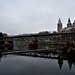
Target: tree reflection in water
<point x="60" y="57"/>
<point x="69" y="57"/>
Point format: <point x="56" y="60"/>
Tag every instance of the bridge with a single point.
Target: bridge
<point x="52" y="38"/>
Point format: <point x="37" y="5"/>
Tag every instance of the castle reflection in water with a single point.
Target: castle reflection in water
<point x="60" y="57"/>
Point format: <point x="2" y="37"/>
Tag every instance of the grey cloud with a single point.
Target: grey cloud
<point x="25" y="16"/>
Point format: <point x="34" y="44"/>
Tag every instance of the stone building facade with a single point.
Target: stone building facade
<point x="69" y="29"/>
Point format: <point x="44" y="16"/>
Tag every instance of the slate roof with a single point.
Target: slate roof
<point x="69" y="28"/>
<point x="65" y="29"/>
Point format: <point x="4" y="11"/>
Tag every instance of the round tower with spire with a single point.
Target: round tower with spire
<point x="59" y="25"/>
<point x="69" y="23"/>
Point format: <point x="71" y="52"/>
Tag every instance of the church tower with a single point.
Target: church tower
<point x="59" y="25"/>
<point x="74" y="24"/>
<point x="60" y="63"/>
<point x="69" y="23"/>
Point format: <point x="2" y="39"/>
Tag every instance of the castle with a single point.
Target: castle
<point x="69" y="29"/>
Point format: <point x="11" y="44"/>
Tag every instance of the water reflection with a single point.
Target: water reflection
<point x="0" y="57"/>
<point x="37" y="63"/>
<point x="21" y="65"/>
<point x="6" y="45"/>
<point x="70" y="62"/>
<point x="20" y="45"/>
<point x="61" y="58"/>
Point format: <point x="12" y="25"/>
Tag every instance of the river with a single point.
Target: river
<point x="14" y="64"/>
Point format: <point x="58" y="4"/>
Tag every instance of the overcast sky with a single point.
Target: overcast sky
<point x="31" y="16"/>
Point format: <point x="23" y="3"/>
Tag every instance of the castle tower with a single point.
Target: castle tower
<point x="69" y="23"/>
<point x="74" y="24"/>
<point x="70" y="64"/>
<point x="60" y="63"/>
<point x="59" y="25"/>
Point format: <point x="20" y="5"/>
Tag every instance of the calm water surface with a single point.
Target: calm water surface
<point x="26" y="65"/>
